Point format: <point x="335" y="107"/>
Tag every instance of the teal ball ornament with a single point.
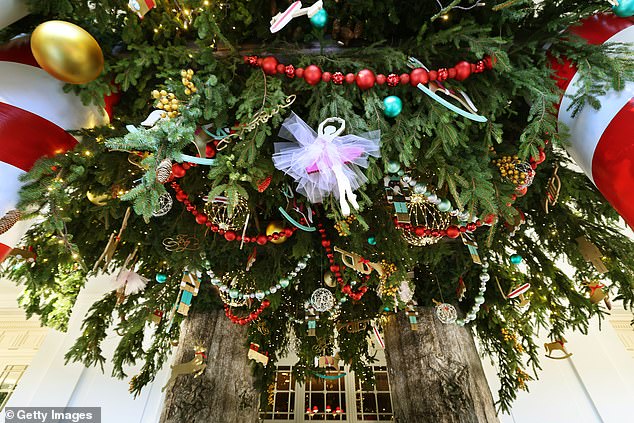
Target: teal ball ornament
<point x="319" y="19"/>
<point x="393" y="167"/>
<point x="516" y="259"/>
<point x="161" y="277"/>
<point x="372" y="240"/>
<point x="444" y="205"/>
<point x="392" y="106"/>
<point x="625" y="8"/>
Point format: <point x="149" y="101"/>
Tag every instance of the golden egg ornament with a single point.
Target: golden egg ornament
<point x="329" y="279"/>
<point x="67" y="52"/>
<point x="97" y="200"/>
<point x="276" y="226"/>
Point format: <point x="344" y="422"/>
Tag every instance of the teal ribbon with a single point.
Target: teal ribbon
<point x="193" y="159"/>
<point x="450" y="106"/>
<point x="295" y="222"/>
<point x="339" y="376"/>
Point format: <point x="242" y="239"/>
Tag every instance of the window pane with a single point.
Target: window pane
<point x="281" y="402"/>
<point x="316" y="384"/>
<point x="317" y="400"/>
<point x="385" y="405"/>
<point x="283" y="381"/>
<point x="291" y="403"/>
<point x="369" y="404"/>
<point x="381" y="382"/>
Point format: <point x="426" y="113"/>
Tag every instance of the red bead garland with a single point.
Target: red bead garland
<point x="452" y="231"/>
<point x="251" y="317"/>
<point x="202" y="219"/>
<point x="365" y="78"/>
<point x="336" y="269"/>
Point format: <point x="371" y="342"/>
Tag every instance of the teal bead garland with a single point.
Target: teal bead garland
<point x="444" y="205"/>
<point x="393" y="167"/>
<point x="161" y="277"/>
<point x="319" y="19"/>
<point x="392" y="106"/>
<point x="516" y="259"/>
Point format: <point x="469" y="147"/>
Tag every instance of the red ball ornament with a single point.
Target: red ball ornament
<point x="325" y="243"/>
<point x="289" y="70"/>
<point x="418" y="76"/>
<point x="419" y="231"/>
<point x="365" y="79"/>
<point x="433" y="75"/>
<point x="334" y="268"/>
<point x="281" y="68"/>
<point x="230" y="236"/>
<point x="489" y="219"/>
<point x="269" y="65"/>
<point x="178" y="171"/>
<point x="326" y="76"/>
<point x="471" y="226"/>
<point x="261" y="239"/>
<point x="201" y="219"/>
<point x="404" y="79"/>
<point x="463" y="70"/>
<point x="393" y="80"/>
<point x="337" y="78"/>
<point x="299" y="72"/>
<point x="453" y="231"/>
<point x="312" y="75"/>
<point x="380" y="79"/>
<point x="350" y="78"/>
<point x="521" y="191"/>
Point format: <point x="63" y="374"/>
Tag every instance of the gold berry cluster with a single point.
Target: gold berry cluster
<point x="521" y="377"/>
<point x="186" y="79"/>
<point x="343" y="226"/>
<point x="271" y="394"/>
<point x="510" y="337"/>
<point x="509" y="169"/>
<point x="168" y="101"/>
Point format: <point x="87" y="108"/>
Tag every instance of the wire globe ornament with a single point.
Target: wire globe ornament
<point x="228" y="217"/>
<point x="424" y="213"/>
<point x="446" y="313"/>
<point x="322" y="300"/>
<point x="528" y="173"/>
<point x="234" y="283"/>
<point x="165" y="205"/>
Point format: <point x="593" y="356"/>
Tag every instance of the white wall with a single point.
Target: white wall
<point x="596" y="384"/>
<point x="48" y="382"/>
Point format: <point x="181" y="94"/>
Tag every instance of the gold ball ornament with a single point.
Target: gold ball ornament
<point x="67" y="52"/>
<point x="97" y="200"/>
<point x="329" y="279"/>
<point x="276" y="226"/>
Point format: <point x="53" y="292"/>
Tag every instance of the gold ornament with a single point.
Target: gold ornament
<point x="97" y="200"/>
<point x="519" y="173"/>
<point x="276" y="226"/>
<point x="67" y="52"/>
<point x="329" y="279"/>
<point x="227" y="218"/>
<point x="423" y="213"/>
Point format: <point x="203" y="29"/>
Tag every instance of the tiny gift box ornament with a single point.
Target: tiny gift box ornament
<point x="255" y="354"/>
<point x="325" y="163"/>
<point x="141" y="7"/>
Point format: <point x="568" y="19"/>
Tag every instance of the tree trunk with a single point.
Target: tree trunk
<point x="435" y="372"/>
<point x="224" y="392"/>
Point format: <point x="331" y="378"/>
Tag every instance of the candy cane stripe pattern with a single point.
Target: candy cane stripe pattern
<point x="34" y="116"/>
<point x="602" y="141"/>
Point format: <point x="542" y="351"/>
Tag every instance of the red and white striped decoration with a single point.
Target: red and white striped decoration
<point x="35" y="113"/>
<point x="602" y="141"/>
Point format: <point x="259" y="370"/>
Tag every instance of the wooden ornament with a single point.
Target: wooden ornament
<point x="195" y="366"/>
<point x="8" y="220"/>
<point x="257" y="355"/>
<point x="189" y="289"/>
<point x="557" y="345"/>
<point x="164" y="171"/>
<point x="591" y="254"/>
<point x="552" y="190"/>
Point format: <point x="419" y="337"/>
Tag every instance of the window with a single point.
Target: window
<point x="374" y="402"/>
<point x="333" y="398"/>
<point x="280" y="404"/>
<point x="8" y="381"/>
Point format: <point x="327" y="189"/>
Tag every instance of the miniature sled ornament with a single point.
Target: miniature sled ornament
<point x="516" y="292"/>
<point x="470" y="110"/>
<point x="557" y="345"/>
<point x="295" y="10"/>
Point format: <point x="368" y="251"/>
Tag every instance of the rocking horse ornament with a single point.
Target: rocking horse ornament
<point x="325" y="163"/>
<point x="557" y="345"/>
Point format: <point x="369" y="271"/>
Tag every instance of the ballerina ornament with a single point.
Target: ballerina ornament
<point x="325" y="163"/>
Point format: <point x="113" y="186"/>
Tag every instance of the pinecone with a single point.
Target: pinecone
<point x="8" y="220"/>
<point x="163" y="171"/>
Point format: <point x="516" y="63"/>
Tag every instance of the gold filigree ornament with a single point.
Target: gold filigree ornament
<point x="181" y="242"/>
<point x="236" y="282"/>
<point x="228" y="218"/>
<point x="425" y="214"/>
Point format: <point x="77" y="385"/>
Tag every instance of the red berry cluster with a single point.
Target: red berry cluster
<point x="336" y="270"/>
<point x="251" y="317"/>
<point x="452" y="231"/>
<point x="178" y="171"/>
<point x="365" y="78"/>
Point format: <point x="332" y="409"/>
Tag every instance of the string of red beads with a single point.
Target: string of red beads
<point x="452" y="231"/>
<point x="202" y="219"/>
<point x="365" y="78"/>
<point x="251" y="317"/>
<point x="336" y="269"/>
